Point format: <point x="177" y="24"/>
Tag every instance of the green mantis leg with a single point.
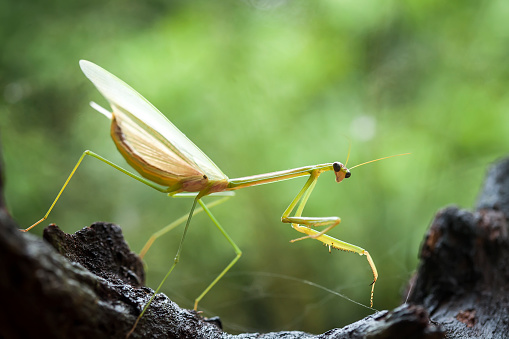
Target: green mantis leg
<point x="237" y="250"/>
<point x="298" y="219"/>
<point x="175" y="262"/>
<point x="87" y="152"/>
<point x="238" y="253"/>
<point x="304" y="224"/>
<point x="176" y="223"/>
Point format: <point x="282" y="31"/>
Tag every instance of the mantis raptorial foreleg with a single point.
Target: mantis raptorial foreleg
<point x="298" y="219"/>
<point x="97" y="156"/>
<point x="303" y="225"/>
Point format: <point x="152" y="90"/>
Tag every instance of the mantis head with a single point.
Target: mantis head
<point x="341" y="171"/>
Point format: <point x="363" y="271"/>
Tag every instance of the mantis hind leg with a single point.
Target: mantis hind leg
<point x="175" y="262"/>
<point x="176" y="223"/>
<point x="237" y="250"/>
<point x="97" y="156"/>
<point x="304" y="224"/>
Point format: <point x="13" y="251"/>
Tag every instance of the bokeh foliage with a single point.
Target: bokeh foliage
<point x="262" y="86"/>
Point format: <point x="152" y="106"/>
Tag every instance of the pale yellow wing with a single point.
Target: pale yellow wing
<point x="152" y="144"/>
<point x="152" y="156"/>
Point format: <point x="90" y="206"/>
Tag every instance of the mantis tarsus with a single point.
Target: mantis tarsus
<point x="170" y="163"/>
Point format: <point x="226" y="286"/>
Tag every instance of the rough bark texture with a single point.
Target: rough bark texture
<point x="463" y="276"/>
<point x="89" y="284"/>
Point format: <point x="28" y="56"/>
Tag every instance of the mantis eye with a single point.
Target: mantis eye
<point x="348" y="174"/>
<point x="337" y="166"/>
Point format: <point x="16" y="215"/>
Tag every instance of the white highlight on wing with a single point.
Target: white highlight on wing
<point x="101" y="110"/>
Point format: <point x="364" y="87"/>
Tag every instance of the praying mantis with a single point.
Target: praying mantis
<point x="169" y="162"/>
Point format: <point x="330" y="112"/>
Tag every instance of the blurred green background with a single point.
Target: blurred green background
<point x="262" y="86"/>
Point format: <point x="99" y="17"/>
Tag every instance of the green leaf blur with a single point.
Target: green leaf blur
<point x="262" y="86"/>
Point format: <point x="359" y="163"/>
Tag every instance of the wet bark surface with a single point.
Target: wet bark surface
<point x="89" y="284"/>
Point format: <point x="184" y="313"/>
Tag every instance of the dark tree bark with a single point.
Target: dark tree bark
<point x="463" y="276"/>
<point x="90" y="284"/>
<point x="93" y="290"/>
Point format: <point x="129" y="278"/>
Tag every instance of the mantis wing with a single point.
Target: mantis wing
<point x="152" y="144"/>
